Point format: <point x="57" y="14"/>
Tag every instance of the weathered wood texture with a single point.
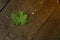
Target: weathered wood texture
<point x="37" y="20"/>
<point x="35" y="29"/>
<point x="50" y="30"/>
<point x="3" y="4"/>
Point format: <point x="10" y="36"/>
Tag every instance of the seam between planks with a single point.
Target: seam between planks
<point x="44" y="22"/>
<point x="4" y="5"/>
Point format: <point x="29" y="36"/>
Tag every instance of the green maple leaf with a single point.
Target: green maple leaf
<point x="22" y="17"/>
<point x="19" y="18"/>
<point x="15" y="19"/>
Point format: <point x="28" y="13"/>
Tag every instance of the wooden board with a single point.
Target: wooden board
<point x="50" y="30"/>
<point x="40" y="16"/>
<point x="12" y="32"/>
<point x="3" y="3"/>
<point x="9" y="31"/>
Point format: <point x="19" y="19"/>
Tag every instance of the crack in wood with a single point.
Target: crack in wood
<point x="5" y="5"/>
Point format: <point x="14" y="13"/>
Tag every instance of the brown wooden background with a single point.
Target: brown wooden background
<point x="43" y="25"/>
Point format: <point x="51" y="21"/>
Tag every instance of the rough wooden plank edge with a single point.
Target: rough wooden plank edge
<point x="4" y="5"/>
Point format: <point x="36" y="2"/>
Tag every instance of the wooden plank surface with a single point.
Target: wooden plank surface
<point x="40" y="16"/>
<point x="3" y="3"/>
<point x="9" y="31"/>
<point x="42" y="10"/>
<point x="50" y="30"/>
